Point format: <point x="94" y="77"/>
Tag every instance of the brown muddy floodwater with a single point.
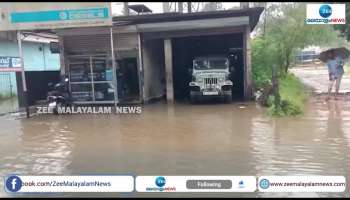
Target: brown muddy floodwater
<point x="208" y="139"/>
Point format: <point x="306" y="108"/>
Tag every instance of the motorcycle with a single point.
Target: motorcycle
<point x="58" y="96"/>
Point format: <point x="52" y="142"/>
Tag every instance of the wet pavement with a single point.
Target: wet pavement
<point x="317" y="78"/>
<point x="206" y="139"/>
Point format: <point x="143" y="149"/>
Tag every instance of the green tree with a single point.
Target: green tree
<point x="344" y="29"/>
<point x="280" y="33"/>
<point x="286" y="29"/>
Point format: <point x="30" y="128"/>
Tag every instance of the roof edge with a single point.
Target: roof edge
<point x="253" y="13"/>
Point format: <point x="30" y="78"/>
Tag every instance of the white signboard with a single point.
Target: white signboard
<point x="325" y="14"/>
<point x="35" y="15"/>
<point x="10" y="64"/>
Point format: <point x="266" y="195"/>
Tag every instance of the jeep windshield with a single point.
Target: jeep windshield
<point x="210" y="64"/>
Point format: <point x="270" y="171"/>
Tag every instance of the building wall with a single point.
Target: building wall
<point x="8" y="85"/>
<point x="154" y="69"/>
<point x="248" y="89"/>
<point x="34" y="60"/>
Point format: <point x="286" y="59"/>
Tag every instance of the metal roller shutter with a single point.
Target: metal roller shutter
<point x="125" y="41"/>
<point x="82" y="44"/>
<point x="85" y="44"/>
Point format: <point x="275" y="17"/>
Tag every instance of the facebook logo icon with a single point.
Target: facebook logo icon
<point x="13" y="183"/>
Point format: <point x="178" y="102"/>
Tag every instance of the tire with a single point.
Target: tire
<point x="193" y="99"/>
<point x="228" y="98"/>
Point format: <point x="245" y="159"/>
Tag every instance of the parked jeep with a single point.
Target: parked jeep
<point x="210" y="78"/>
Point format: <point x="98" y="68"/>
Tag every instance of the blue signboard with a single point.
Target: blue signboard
<point x="53" y="15"/>
<point x="59" y="15"/>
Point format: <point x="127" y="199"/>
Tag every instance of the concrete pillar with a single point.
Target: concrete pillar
<point x="126" y="8"/>
<point x="63" y="68"/>
<point x="181" y="8"/>
<point x="189" y="8"/>
<point x="140" y="69"/>
<point x="169" y="70"/>
<point x="248" y="93"/>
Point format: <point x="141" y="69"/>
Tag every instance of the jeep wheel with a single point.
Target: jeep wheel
<point x="228" y="98"/>
<point x="193" y="99"/>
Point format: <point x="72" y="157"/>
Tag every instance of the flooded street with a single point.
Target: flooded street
<point x="208" y="139"/>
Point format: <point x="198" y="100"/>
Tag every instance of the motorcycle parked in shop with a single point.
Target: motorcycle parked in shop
<point x="59" y="96"/>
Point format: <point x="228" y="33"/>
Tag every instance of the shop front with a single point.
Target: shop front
<point x="146" y="57"/>
<point x="96" y="76"/>
<point x="91" y="78"/>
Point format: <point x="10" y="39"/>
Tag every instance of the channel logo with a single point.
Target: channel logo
<point x="13" y="183"/>
<point x="325" y="14"/>
<point x="264" y="184"/>
<point x="160" y="182"/>
<point x="325" y="11"/>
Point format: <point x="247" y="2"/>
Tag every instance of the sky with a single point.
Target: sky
<point x="157" y="7"/>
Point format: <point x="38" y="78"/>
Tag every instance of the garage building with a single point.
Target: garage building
<point x="152" y="54"/>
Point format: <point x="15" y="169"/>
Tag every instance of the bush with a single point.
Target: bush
<point x="291" y="90"/>
<point x="275" y="111"/>
<point x="293" y="97"/>
<point x="263" y="56"/>
<point x="270" y="100"/>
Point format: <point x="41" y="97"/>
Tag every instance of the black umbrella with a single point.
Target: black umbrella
<point x="342" y="52"/>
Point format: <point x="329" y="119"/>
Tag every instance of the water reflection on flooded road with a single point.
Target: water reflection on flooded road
<point x="211" y="139"/>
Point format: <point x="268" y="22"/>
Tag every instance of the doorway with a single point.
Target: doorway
<point x="128" y="80"/>
<point x="185" y="49"/>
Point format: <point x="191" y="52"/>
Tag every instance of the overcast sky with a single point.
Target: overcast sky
<point x="157" y="7"/>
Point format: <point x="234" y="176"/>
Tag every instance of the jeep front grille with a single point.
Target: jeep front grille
<point x="210" y="81"/>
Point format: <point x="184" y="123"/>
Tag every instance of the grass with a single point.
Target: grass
<point x="293" y="97"/>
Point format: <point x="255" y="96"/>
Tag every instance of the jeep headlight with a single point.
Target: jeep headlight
<point x="199" y="79"/>
<point x="221" y="79"/>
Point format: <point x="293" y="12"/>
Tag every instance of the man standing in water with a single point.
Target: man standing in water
<point x="335" y="71"/>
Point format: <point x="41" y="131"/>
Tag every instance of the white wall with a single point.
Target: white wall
<point x="154" y="69"/>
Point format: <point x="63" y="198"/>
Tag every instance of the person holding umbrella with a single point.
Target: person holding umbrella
<point x="335" y="62"/>
<point x="335" y="71"/>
